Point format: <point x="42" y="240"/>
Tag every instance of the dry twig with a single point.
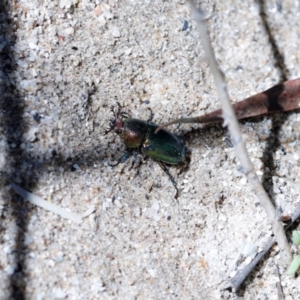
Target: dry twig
<point x="278" y="284"/>
<point x="241" y="275"/>
<point x="231" y="121"/>
<point x="281" y="97"/>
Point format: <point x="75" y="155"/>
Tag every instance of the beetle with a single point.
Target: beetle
<point x="139" y="135"/>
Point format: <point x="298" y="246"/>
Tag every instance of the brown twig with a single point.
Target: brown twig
<point x="231" y="121"/>
<point x="281" y="97"/>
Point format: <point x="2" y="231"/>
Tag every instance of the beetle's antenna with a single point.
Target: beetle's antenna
<point x="117" y="112"/>
<point x="120" y="112"/>
<point x="112" y="120"/>
<point x="124" y="114"/>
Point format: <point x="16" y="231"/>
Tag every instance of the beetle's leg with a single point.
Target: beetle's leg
<point x="184" y="166"/>
<point x="123" y="158"/>
<point x="136" y="152"/>
<point x="151" y="115"/>
<point x="165" y="169"/>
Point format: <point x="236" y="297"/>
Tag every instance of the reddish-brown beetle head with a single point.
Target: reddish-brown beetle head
<point x="132" y="131"/>
<point x="117" y="122"/>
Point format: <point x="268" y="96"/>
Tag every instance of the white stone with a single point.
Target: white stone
<point x="115" y="32"/>
<point x="69" y="31"/>
<point x="107" y="14"/>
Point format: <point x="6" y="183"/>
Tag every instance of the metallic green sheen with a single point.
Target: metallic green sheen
<point x="134" y="132"/>
<point x="163" y="146"/>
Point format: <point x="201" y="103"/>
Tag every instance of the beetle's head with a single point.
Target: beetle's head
<point x="117" y="122"/>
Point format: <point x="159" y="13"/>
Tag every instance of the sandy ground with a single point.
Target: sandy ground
<point x="62" y="66"/>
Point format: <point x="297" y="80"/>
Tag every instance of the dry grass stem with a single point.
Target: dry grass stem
<point x="231" y="121"/>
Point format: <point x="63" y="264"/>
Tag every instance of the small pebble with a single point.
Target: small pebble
<point x="107" y="14"/>
<point x="116" y="32"/>
<point x="69" y="31"/>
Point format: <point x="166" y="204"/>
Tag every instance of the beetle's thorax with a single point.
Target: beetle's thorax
<point x="132" y="132"/>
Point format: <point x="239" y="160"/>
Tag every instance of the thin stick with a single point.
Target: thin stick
<point x="278" y="284"/>
<point x="240" y="149"/>
<point x="242" y="274"/>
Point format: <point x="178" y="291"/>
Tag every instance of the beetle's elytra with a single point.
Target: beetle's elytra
<point x="164" y="146"/>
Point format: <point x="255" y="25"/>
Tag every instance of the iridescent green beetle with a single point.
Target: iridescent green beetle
<point x="139" y="135"/>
